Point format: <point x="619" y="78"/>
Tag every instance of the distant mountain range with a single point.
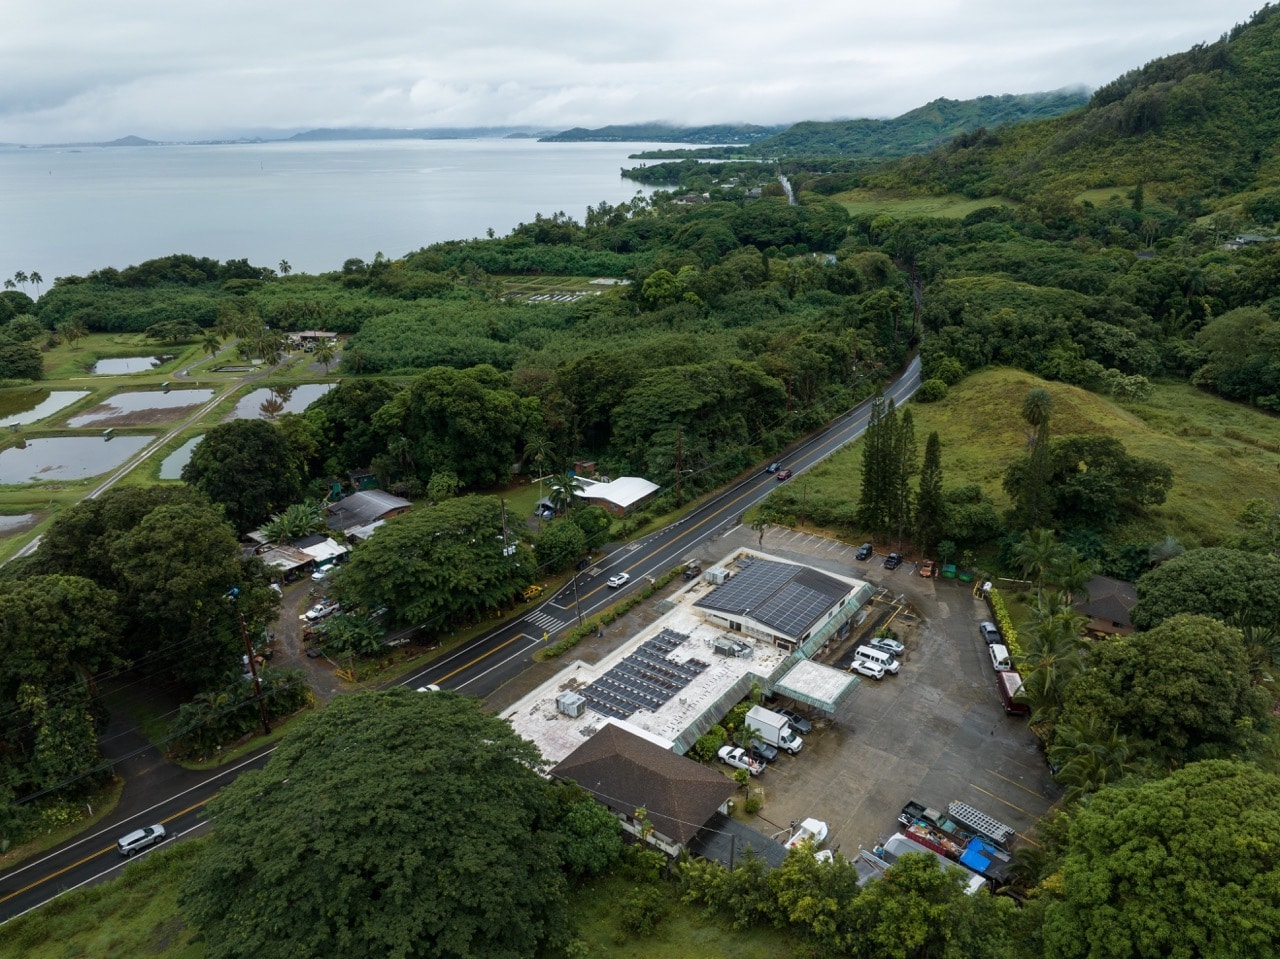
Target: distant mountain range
<point x="667" y="133"/>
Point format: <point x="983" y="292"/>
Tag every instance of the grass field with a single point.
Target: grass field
<point x="139" y="916"/>
<point x="951" y="205"/>
<point x="1214" y="473"/>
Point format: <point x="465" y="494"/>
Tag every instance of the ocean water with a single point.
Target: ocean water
<point x="67" y="211"/>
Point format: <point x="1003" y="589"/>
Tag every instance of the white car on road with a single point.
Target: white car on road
<point x="620" y="580"/>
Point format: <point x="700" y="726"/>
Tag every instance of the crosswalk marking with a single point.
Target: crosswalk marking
<point x="549" y="623"/>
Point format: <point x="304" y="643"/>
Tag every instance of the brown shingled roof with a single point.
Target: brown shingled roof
<point x="626" y="772"/>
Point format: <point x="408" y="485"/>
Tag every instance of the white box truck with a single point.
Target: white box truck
<point x="773" y="728"/>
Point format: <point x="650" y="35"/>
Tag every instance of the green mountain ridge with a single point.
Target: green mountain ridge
<point x="728" y="133"/>
<point x="1204" y="123"/>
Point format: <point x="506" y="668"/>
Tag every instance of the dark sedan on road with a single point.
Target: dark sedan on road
<point x="783" y="475"/>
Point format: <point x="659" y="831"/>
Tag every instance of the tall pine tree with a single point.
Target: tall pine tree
<point x="904" y="467"/>
<point x="930" y="504"/>
<point x="877" y="459"/>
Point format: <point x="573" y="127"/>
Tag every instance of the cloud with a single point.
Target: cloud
<point x="173" y="71"/>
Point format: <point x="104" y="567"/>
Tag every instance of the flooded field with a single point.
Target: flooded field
<point x="142" y="408"/>
<point x="171" y="468"/>
<point x="32" y="405"/>
<point x="126" y="364"/>
<point x="17" y="524"/>
<point x="267" y="404"/>
<point x="66" y="457"/>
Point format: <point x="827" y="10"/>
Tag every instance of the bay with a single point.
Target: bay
<point x="68" y="211"/>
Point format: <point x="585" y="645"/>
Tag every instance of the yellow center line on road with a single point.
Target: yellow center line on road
<point x="94" y="855"/>
<point x="482" y="656"/>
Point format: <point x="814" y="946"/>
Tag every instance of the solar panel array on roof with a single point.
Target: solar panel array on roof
<point x="646" y="679"/>
<point x="783" y="596"/>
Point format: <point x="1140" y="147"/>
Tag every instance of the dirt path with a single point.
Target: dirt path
<point x="290" y="646"/>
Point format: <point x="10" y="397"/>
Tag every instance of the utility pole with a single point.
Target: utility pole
<point x="252" y="671"/>
<point x="679" y="471"/>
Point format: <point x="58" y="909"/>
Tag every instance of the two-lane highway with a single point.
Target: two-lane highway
<point x="490" y="661"/>
<point x="478" y="668"/>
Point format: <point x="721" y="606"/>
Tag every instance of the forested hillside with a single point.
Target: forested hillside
<point x="1203" y="124"/>
<point x="916" y="131"/>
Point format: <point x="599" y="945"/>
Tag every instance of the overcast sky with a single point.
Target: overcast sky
<point x="86" y="70"/>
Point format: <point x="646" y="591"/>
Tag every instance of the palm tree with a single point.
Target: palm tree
<point x="72" y="331"/>
<point x="37" y="279"/>
<point x="1037" y="553"/>
<point x="211" y="344"/>
<point x="563" y="486"/>
<point x="324" y="353"/>
<point x="285" y="268"/>
<point x="1037" y="407"/>
<point x="1088" y="756"/>
<point x="538" y="449"/>
<point x="20" y="278"/>
<point x="1071" y="573"/>
<point x="296" y="521"/>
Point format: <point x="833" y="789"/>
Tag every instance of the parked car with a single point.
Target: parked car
<point x="864" y="552"/>
<point x="1000" y="659"/>
<point x="893" y="561"/>
<point x="783" y="475"/>
<point x="926" y="568"/>
<point x="692" y="571"/>
<point x="868" y="669"/>
<point x="989" y="632"/>
<point x="799" y="723"/>
<point x="760" y="757"/>
<point x="429" y="688"/>
<point x="620" y="580"/>
<point x="773" y="467"/>
<point x="886" y="644"/>
<point x="320" y="610"/>
<point x="739" y="758"/>
<point x="322" y="573"/>
<point x="140" y="839"/>
<point x="768" y="752"/>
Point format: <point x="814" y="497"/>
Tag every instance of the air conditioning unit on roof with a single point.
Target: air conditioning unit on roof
<point x="571" y="704"/>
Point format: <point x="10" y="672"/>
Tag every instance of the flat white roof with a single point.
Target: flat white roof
<point x="536" y="718"/>
<point x="556" y="735"/>
<point x="624" y="491"/>
<point x="814" y="683"/>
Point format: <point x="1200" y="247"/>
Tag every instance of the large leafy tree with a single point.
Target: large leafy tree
<point x="54" y="632"/>
<point x="1181" y="691"/>
<point x="1090" y="481"/>
<point x="438" y="565"/>
<point x="1186" y="866"/>
<point x="247" y="467"/>
<point x="396" y="824"/>
<point x="176" y="568"/>
<point x="1235" y="586"/>
<point x="467" y="421"/>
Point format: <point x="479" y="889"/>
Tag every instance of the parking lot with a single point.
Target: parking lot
<point x="934" y="733"/>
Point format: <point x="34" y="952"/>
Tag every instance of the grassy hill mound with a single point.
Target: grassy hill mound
<point x="1222" y="454"/>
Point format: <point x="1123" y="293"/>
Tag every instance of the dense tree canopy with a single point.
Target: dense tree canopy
<point x="1231" y="585"/>
<point x="438" y="565"/>
<point x="246" y="467"/>
<point x="1184" y="867"/>
<point x="1182" y="690"/>
<point x="395" y="824"/>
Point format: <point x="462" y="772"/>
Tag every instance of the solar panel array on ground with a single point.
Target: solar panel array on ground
<point x="646" y="679"/>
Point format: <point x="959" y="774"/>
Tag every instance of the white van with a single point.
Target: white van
<point x="1000" y="657"/>
<point x="879" y="657"/>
